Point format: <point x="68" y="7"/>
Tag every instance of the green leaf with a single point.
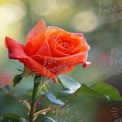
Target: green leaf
<point x="23" y="120"/>
<point x="17" y="79"/>
<point x="29" y="92"/>
<point x="19" y="69"/>
<point x="48" y="119"/>
<point x="68" y="82"/>
<point x="64" y="93"/>
<point x="45" y="88"/>
<point x="100" y="90"/>
<point x="70" y="86"/>
<point x="10" y="117"/>
<point x="53" y="99"/>
<point x="108" y="91"/>
<point x="67" y="92"/>
<point x="88" y="91"/>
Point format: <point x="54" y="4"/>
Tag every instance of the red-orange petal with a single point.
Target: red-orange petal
<point x="53" y="47"/>
<point x="78" y="34"/>
<point x="35" y="38"/>
<point x="16" y="51"/>
<point x="39" y="27"/>
<point x="44" y="50"/>
<point x="86" y="63"/>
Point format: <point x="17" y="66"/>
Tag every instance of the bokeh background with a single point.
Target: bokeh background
<point x="101" y="23"/>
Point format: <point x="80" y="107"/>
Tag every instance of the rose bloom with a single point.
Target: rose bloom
<point x="49" y="51"/>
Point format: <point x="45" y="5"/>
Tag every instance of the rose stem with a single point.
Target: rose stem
<point x="33" y="101"/>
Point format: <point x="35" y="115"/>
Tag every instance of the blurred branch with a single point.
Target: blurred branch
<point x="18" y="99"/>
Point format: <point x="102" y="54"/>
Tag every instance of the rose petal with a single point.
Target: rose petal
<point x="78" y="34"/>
<point x="75" y="59"/>
<point x="39" y="27"/>
<point x="55" y="66"/>
<point x="16" y="51"/>
<point x="58" y="65"/>
<point x="12" y="47"/>
<point x="86" y="63"/>
<point x="53" y="47"/>
<point x="84" y="47"/>
<point x="35" y="38"/>
<point x="35" y="44"/>
<point x="44" y="50"/>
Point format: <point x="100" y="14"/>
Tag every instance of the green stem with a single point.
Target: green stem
<point x="33" y="102"/>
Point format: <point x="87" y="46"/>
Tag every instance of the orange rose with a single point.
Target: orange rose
<point x="49" y="51"/>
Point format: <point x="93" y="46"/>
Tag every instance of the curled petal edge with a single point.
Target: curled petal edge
<point x="16" y="51"/>
<point x="85" y="64"/>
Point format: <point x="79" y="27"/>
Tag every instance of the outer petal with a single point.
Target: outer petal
<point x="14" y="48"/>
<point x="35" y="38"/>
<point x="16" y="51"/>
<point x="35" y="30"/>
<point x="86" y="63"/>
<point x="78" y="34"/>
<point x="59" y="65"/>
<point x="35" y="44"/>
<point x="53" y="64"/>
<point x="76" y="59"/>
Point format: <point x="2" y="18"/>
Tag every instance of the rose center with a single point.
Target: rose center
<point x="65" y="44"/>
